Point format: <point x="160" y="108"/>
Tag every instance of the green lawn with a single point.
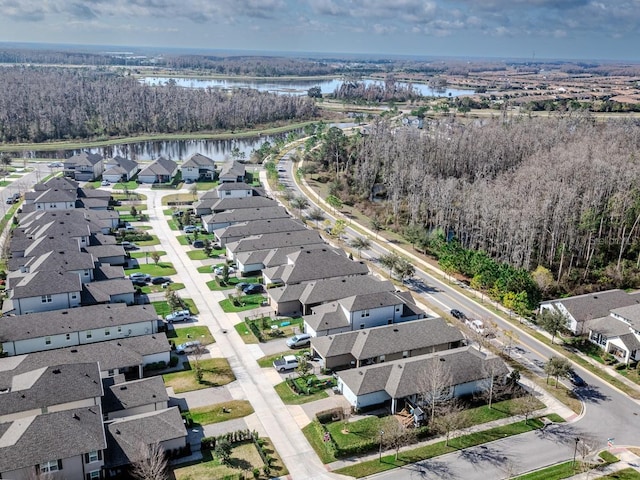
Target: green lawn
<point x="181" y="335"/>
<point x="233" y="281"/>
<point x="173" y="225"/>
<point x="245" y="333"/>
<point x="162" y="269"/>
<point x="131" y="185"/>
<point x="267" y="361"/>
<point x="626" y="474"/>
<point x="199" y="254"/>
<point x="249" y="302"/>
<point x="554" y="472"/>
<point x="147" y="255"/>
<point x="210" y="467"/>
<point x="162" y="307"/>
<point x="133" y="196"/>
<point x="204" y="186"/>
<point x="216" y="372"/>
<point x="429" y="451"/>
<point x="266" y="322"/>
<point x="158" y="288"/>
<point x="221" y="412"/>
<point x="184" y="199"/>
<point x="289" y="397"/>
<point x="148" y="243"/>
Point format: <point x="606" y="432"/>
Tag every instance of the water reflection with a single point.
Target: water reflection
<point x="218" y="150"/>
<point x="293" y="87"/>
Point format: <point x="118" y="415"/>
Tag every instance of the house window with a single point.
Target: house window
<point x="227" y="193"/>
<point x="51" y="466"/>
<point x="389" y="321"/>
<point x="111" y="373"/>
<point x="365" y="313"/>
<point x="46" y="299"/>
<point x="362" y="326"/>
<point x="405" y="354"/>
<point x="92" y="456"/>
<point x="73" y="296"/>
<point x="89" y="335"/>
<point x="107" y="332"/>
<point x="93" y="475"/>
<point x="53" y="205"/>
<point x="397" y="309"/>
<point x="382" y="358"/>
<point x="47" y="340"/>
<point x="86" y="272"/>
<point x="68" y="336"/>
<point x="119" y="329"/>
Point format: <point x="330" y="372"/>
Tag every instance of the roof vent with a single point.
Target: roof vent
<point x="153" y="396"/>
<point x="64" y="313"/>
<point x="442" y="359"/>
<point x="117" y="432"/>
<point x="56" y="371"/>
<point x="74" y="350"/>
<point x="361" y="373"/>
<point x="124" y="387"/>
<point x="399" y="366"/>
<point x="395" y="330"/>
<point x="75" y="416"/>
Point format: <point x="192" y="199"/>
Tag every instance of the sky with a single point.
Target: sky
<point x="540" y="29"/>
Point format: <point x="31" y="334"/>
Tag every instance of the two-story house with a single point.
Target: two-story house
<point x="161" y="170"/>
<point x="224" y="219"/>
<point x="238" y="231"/>
<point x="362" y="311"/>
<point x="233" y="171"/>
<point x="119" y="169"/>
<point x="84" y="167"/>
<point x="268" y="241"/>
<point x="198" y="167"/>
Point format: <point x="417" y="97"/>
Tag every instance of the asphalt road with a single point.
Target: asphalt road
<point x="607" y="414"/>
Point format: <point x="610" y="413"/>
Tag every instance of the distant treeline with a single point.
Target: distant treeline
<point x="40" y="104"/>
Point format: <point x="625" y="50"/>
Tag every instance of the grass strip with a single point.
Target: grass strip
<point x="221" y="412"/>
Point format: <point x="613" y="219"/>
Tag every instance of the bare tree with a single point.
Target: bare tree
<point x="557" y="367"/>
<point x="526" y="405"/>
<point x="435" y="384"/>
<point x="396" y="435"/>
<point x="452" y="416"/>
<point x="151" y="463"/>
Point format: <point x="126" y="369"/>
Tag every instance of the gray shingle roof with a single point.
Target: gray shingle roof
<point x="124" y="163"/>
<point x="35" y="325"/>
<point x="125" y="435"/>
<point x="400" y="337"/>
<point x="101" y="252"/>
<point x="160" y="166"/>
<point x="114" y="354"/>
<point x="46" y="283"/>
<point x="609" y="326"/>
<point x="327" y="316"/>
<point x="102" y="292"/>
<point x="313" y="264"/>
<point x="630" y="313"/>
<point x="595" y="305"/>
<point x="231" y="186"/>
<point x="332" y="289"/>
<point x="240" y="203"/>
<point x="34" y="440"/>
<point x="48" y="386"/>
<point x="246" y="215"/>
<point x="123" y="396"/>
<point x="232" y="170"/>
<point x="369" y="301"/>
<point x="402" y="378"/>
<point x="275" y="256"/>
<point x="258" y="227"/>
<point x="630" y="340"/>
<point x="268" y="241"/>
<point x="61" y="183"/>
<point x="199" y="160"/>
<point x="84" y="158"/>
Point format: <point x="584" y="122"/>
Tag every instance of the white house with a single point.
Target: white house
<point x="84" y="167"/>
<point x="119" y="169"/>
<point x="198" y="167"/>
<point x="234" y="190"/>
<point x="402" y="382"/>
<point x="21" y="334"/>
<point x="43" y="291"/>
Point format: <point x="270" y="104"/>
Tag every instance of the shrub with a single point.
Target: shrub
<point x="256" y="473"/>
<point x="331" y="415"/>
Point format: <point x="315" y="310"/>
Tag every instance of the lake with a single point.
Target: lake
<point x="218" y="150"/>
<point x="292" y="87"/>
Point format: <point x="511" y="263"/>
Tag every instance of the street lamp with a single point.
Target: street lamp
<point x="380" y="451"/>
<point x="575" y="451"/>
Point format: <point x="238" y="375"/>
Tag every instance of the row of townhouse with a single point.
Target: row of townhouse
<point x="73" y="398"/>
<point x="360" y="326"/>
<point x="86" y="166"/>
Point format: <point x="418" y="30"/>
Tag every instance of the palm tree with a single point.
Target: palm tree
<point x="360" y="243"/>
<point x="300" y="203"/>
<point x="317" y="215"/>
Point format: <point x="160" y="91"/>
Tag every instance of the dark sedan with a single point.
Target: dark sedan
<point x="160" y="280"/>
<point x="458" y="314"/>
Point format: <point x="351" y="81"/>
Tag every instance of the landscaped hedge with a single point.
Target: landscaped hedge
<point x="331" y="415"/>
<point x="161" y="365"/>
<point x="234" y="438"/>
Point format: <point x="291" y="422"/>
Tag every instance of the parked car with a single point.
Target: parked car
<point x="139" y="283"/>
<point x="188" y="347"/>
<point x="218" y="270"/>
<point x="160" y="280"/>
<point x="189" y="181"/>
<point x="15" y="198"/>
<point x="178" y="213"/>
<point x="475" y="325"/>
<point x="242" y="285"/>
<point x="145" y="277"/>
<point x="576" y="380"/>
<point x="129" y="245"/>
<point x="190" y="229"/>
<point x="198" y="244"/>
<point x="253" y="288"/>
<point x="55" y="164"/>
<point x="288" y="362"/>
<point x="299" y="340"/>
<point x="458" y="314"/>
<point x="178" y="316"/>
<point x="105" y="183"/>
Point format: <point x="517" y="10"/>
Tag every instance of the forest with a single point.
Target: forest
<point x="39" y="104"/>
<point x="557" y="197"/>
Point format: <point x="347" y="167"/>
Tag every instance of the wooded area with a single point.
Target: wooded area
<point x="40" y="104"/>
<point x="558" y="192"/>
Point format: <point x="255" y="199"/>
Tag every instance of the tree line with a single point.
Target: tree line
<point x="41" y="104"/>
<point x="558" y="197"/>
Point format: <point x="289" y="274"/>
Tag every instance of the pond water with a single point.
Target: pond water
<point x="218" y="150"/>
<point x="292" y="87"/>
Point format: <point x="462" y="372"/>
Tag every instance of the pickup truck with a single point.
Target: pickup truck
<point x="288" y="362"/>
